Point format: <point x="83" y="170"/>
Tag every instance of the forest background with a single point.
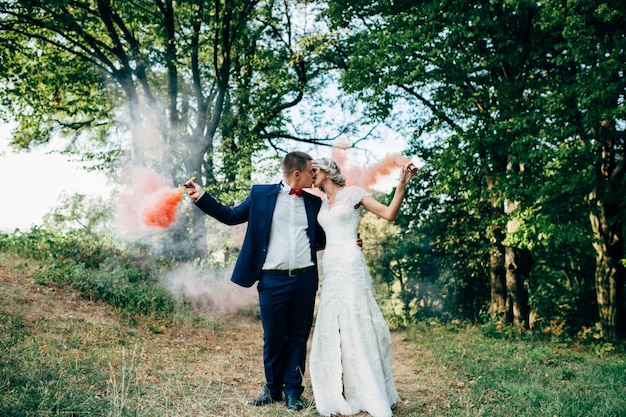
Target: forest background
<point x="515" y="110"/>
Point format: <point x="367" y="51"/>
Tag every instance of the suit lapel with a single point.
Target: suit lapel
<point x="270" y="203"/>
<point x="311" y="215"/>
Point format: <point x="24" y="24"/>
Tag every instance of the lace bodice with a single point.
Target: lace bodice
<point x="341" y="220"/>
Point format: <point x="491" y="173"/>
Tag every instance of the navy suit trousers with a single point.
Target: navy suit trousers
<point x="287" y="305"/>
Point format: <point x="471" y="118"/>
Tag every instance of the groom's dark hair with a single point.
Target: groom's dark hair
<point x="295" y="160"/>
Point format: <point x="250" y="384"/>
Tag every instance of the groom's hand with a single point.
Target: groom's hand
<point x="359" y="242"/>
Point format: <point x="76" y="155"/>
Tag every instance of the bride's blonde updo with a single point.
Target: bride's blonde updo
<point x="331" y="169"/>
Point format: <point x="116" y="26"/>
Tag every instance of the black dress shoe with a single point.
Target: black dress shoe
<point x="265" y="399"/>
<point x="293" y="402"/>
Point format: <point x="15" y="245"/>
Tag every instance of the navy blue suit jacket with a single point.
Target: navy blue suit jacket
<point x="257" y="210"/>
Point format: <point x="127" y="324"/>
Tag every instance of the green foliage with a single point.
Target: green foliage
<point x="425" y="277"/>
<point x="73" y="247"/>
<point x="48" y="91"/>
<point x="79" y="212"/>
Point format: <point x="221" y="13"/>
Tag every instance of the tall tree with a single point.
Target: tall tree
<point x="503" y="84"/>
<point x="588" y="109"/>
<point x="463" y="67"/>
<point x="200" y="86"/>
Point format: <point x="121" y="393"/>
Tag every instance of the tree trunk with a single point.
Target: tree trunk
<point x="497" y="274"/>
<point x="609" y="275"/>
<point x="606" y="222"/>
<point x="517" y="263"/>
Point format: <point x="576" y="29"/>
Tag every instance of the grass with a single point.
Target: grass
<point x="527" y="377"/>
<point x="65" y="354"/>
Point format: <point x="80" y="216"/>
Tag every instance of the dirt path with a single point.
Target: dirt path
<point x="211" y="369"/>
<point x="424" y="384"/>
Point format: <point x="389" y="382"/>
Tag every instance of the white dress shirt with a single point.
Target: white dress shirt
<point x="289" y="245"/>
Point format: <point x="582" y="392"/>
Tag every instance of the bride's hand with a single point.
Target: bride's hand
<point x="408" y="170"/>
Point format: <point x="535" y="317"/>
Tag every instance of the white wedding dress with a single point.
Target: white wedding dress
<point x="350" y="358"/>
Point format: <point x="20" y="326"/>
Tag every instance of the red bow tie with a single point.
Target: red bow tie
<point x="296" y="192"/>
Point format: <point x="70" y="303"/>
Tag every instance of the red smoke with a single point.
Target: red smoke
<point x="163" y="213"/>
<point x="366" y="176"/>
<point x="149" y="200"/>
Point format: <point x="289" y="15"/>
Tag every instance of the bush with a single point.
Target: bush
<point x="125" y="279"/>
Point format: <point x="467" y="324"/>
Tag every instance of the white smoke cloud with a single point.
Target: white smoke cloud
<point x="212" y="293"/>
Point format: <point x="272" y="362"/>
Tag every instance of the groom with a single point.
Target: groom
<point x="278" y="251"/>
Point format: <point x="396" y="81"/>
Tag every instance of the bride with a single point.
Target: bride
<point x="350" y="359"/>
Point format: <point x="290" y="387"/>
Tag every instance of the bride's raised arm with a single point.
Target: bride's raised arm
<point x="391" y="211"/>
